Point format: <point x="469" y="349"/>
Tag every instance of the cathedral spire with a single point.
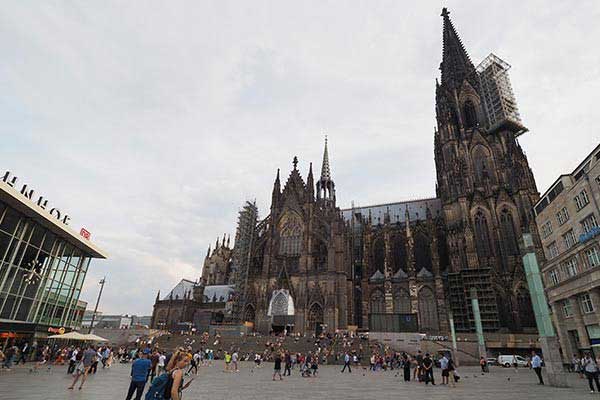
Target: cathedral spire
<point x="325" y="185"/>
<point x="325" y="170"/>
<point x="208" y="252"/>
<point x="310" y="182"/>
<point x="456" y="64"/>
<point x="276" y="191"/>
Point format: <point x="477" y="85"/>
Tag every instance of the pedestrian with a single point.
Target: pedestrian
<point x="175" y="368"/>
<point x="72" y="360"/>
<point x="347" y="363"/>
<point x="590" y="369"/>
<point x="536" y="364"/>
<point x="88" y="357"/>
<point x="140" y="369"/>
<point x="194" y="364"/>
<point x="234" y="361"/>
<point x="444" y="368"/>
<point x="483" y="365"/>
<point x="452" y="375"/>
<point x="406" y="366"/>
<point x="277" y="366"/>
<point x="24" y="352"/>
<point x="227" y="362"/>
<point x="419" y="362"/>
<point x="161" y="363"/>
<point x="9" y="356"/>
<point x="428" y="369"/>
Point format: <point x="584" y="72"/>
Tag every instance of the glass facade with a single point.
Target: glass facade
<point x="41" y="274"/>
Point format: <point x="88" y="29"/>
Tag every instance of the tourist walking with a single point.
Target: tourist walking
<point x="234" y="361"/>
<point x="418" y="370"/>
<point x="287" y="358"/>
<point x="536" y="364"/>
<point x="590" y="369"/>
<point x="88" y="357"/>
<point x="347" y="363"/>
<point x="139" y="375"/>
<point x="24" y="351"/>
<point x="277" y="366"/>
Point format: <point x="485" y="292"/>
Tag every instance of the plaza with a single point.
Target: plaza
<point x="212" y="383"/>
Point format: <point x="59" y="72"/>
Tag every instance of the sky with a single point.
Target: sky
<point x="152" y="122"/>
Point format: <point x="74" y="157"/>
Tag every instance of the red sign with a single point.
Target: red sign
<point x="59" y="331"/>
<point x="85" y="233"/>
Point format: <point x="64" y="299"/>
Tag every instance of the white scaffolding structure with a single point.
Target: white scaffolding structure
<point x="499" y="99"/>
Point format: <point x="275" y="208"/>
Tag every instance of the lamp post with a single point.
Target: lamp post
<point x="548" y="340"/>
<point x="102" y="281"/>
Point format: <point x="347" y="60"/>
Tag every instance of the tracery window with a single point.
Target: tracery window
<point x="482" y="236"/>
<point x="377" y="302"/>
<point x="470" y="114"/>
<point x="290" y="242"/>
<point x="507" y="230"/>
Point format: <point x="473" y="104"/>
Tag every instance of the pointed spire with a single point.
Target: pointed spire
<point x="276" y="191"/>
<point x="217" y="244"/>
<point x="157" y="297"/>
<point x="228" y="240"/>
<point x="310" y="183"/>
<point x="456" y="64"/>
<point x="224" y="237"/>
<point x="407" y="218"/>
<point x="325" y="170"/>
<point x="208" y="252"/>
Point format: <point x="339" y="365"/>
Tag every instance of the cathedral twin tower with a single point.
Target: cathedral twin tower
<point x="312" y="266"/>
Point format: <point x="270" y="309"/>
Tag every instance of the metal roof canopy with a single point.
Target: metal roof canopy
<point x="26" y="207"/>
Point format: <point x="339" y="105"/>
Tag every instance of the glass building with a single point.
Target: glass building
<point x="43" y="267"/>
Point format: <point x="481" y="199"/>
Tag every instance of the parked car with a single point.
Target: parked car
<point x="508" y="360"/>
<point x="492" y="361"/>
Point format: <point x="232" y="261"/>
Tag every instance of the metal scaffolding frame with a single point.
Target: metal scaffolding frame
<point x="498" y="97"/>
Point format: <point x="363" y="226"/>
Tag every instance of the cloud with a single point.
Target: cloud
<point x="152" y="123"/>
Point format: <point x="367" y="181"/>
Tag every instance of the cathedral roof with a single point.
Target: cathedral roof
<point x="178" y="292"/>
<point x="377" y="276"/>
<point x="417" y="210"/>
<point x="217" y="293"/>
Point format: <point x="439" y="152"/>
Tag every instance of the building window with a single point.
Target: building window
<point x="569" y="239"/>
<point x="554" y="277"/>
<point x="581" y="200"/>
<point x="482" y="236"/>
<point x="290" y="243"/>
<point x="588" y="223"/>
<point x="552" y="250"/>
<point x="570" y="267"/>
<point x="507" y="230"/>
<point x="586" y="303"/>
<point x="562" y="216"/>
<point x="593" y="257"/>
<point x="547" y="229"/>
<point x="470" y="114"/>
<point x="567" y="309"/>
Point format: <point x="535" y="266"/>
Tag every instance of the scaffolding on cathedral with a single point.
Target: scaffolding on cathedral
<point x="498" y="97"/>
<point x="245" y="236"/>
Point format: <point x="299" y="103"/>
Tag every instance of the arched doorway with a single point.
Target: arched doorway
<point x="315" y="318"/>
<point x="281" y="311"/>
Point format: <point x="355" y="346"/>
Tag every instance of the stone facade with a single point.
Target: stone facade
<point x="567" y="217"/>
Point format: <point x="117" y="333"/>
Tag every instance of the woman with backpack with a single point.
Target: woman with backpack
<point x="170" y="384"/>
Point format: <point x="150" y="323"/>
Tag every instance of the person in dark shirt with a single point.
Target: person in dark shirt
<point x="288" y="364"/>
<point x="428" y="369"/>
<point x="277" y="367"/>
<point x="139" y="375"/>
<point x="418" y="370"/>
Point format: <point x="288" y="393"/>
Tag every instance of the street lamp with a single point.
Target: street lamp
<point x="102" y="281"/>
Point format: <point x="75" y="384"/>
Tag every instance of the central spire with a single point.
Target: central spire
<point x="456" y="64"/>
<point x="325" y="170"/>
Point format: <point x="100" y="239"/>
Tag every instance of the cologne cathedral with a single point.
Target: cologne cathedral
<point x="405" y="266"/>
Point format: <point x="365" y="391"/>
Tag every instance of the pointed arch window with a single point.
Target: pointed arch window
<point x="507" y="230"/>
<point x="290" y="242"/>
<point x="470" y="114"/>
<point x="378" y="255"/>
<point x="427" y="310"/>
<point x="315" y="317"/>
<point x="482" y="236"/>
<point x="377" y="302"/>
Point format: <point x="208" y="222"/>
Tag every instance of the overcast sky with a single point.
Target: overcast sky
<point x="152" y="122"/>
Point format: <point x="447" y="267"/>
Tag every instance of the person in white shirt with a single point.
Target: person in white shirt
<point x="444" y="368"/>
<point x="536" y="364"/>
<point x="161" y="363"/>
<point x="590" y="368"/>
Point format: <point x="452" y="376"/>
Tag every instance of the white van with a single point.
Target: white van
<point x="508" y="360"/>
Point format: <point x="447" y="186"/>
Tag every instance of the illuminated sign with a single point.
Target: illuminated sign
<point x="40" y="201"/>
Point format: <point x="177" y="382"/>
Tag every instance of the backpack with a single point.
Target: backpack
<point x="159" y="387"/>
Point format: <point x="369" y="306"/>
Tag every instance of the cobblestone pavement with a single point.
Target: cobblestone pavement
<point x="212" y="383"/>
